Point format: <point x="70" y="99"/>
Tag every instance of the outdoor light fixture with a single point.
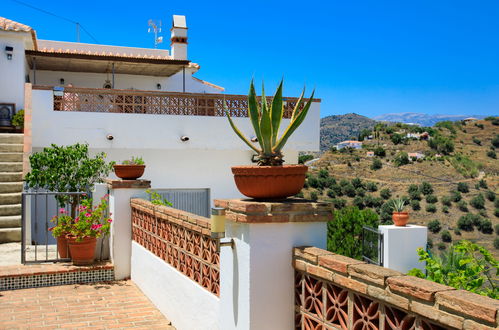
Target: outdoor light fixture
<point x="9" y="50"/>
<point x="184" y="138"/>
<point x="61" y="81"/>
<point x="109" y="137"/>
<point x="58" y="91"/>
<point x="217" y="223"/>
<point x="158" y="86"/>
<point x="254" y="139"/>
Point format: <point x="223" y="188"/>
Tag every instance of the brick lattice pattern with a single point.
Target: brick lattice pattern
<point x="336" y="292"/>
<point x="180" y="238"/>
<point x="159" y="103"/>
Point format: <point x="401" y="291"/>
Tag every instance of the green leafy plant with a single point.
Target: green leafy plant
<point x="426" y="188"/>
<point x="434" y="226"/>
<point x="385" y="193"/>
<point x="266" y="120"/>
<point x="376" y="164"/>
<point x="431" y="208"/>
<point x="463" y="187"/>
<point x="157" y="199"/>
<point x="133" y="161"/>
<point x="18" y="119"/>
<point x="446" y="236"/>
<point x="466" y="266"/>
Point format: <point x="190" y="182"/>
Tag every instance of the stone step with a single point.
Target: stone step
<point x="8" y="235"/>
<point x="11" y="176"/>
<point x="11" y="221"/>
<point x="12" y="138"/>
<point x="7" y="147"/>
<point x="11" y="187"/>
<point x="10" y="209"/>
<point x="11" y="157"/>
<point x="11" y="167"/>
<point x="10" y="198"/>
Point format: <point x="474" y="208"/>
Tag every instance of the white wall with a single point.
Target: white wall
<point x="12" y="72"/>
<point x="202" y="162"/>
<point x="185" y="303"/>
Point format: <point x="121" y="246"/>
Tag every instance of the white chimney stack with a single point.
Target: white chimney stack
<point x="179" y="38"/>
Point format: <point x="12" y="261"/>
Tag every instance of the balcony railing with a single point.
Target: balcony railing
<point x="158" y="103"/>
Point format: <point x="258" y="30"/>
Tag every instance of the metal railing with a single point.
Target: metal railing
<point x="38" y="208"/>
<point x="372" y="245"/>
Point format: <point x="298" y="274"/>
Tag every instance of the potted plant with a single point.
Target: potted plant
<point x="270" y="179"/>
<point x="399" y="217"/>
<point x="90" y="224"/>
<point x="18" y="120"/>
<point x="130" y="169"/>
<point x="63" y="224"/>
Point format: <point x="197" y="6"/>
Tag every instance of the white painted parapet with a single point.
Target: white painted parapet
<point x="256" y="275"/>
<point x="400" y="245"/>
<point x="120" y="193"/>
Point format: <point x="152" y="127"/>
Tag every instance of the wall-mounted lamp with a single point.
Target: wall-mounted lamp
<point x="217" y="223"/>
<point x="61" y="81"/>
<point x="254" y="139"/>
<point x="58" y="91"/>
<point x="158" y="86"/>
<point x="184" y="138"/>
<point x="109" y="137"/>
<point x="9" y="50"/>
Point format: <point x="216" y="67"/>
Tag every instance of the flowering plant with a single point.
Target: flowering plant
<point x="91" y="222"/>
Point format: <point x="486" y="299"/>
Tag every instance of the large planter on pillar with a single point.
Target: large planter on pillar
<point x="270" y="179"/>
<point x="130" y="169"/>
<point x="399" y="217"/>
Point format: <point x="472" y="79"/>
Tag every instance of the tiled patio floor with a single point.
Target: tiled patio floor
<point x="114" y="305"/>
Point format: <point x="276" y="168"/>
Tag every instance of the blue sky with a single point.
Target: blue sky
<point x="367" y="57"/>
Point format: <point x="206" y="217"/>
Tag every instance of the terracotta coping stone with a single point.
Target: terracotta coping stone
<point x="337" y="262"/>
<point x="309" y="253"/>
<point x="288" y="210"/>
<point x="468" y="303"/>
<point x="127" y="184"/>
<point x="416" y="287"/>
<point x="372" y="273"/>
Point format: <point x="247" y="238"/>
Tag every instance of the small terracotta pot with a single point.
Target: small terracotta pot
<point x="400" y="218"/>
<point x="269" y="182"/>
<point x="82" y="252"/>
<point x="129" y="172"/>
<point x="62" y="247"/>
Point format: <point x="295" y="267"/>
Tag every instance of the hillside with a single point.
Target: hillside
<point x="422" y="119"/>
<point x="470" y="164"/>
<point x="338" y="128"/>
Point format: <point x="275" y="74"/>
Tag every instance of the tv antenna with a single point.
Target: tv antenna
<point x="155" y="27"/>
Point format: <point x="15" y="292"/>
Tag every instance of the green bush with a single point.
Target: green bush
<point x="338" y="203"/>
<point x="429" y="243"/>
<point x="358" y="202"/>
<point x="477" y="141"/>
<point x="434" y="226"/>
<point x="496" y="229"/>
<point x="495" y="141"/>
<point x="348" y="190"/>
<point x="496" y="212"/>
<point x="478" y="202"/>
<point x="337" y="189"/>
<point x="456" y="196"/>
<point x="314" y="195"/>
<point x="18" y="119"/>
<point x="401" y="159"/>
<point x="426" y="188"/>
<point x="441" y="144"/>
<point x="445" y="209"/>
<point x="413" y="188"/>
<point x="299" y="195"/>
<point x="457" y="232"/>
<point x="446" y="200"/>
<point x="357" y="183"/>
<point x="491" y="196"/>
<point x="385" y="193"/>
<point x="360" y="192"/>
<point x="313" y="182"/>
<point x="379" y="151"/>
<point x="485" y="226"/>
<point x="371" y="186"/>
<point x="344" y="233"/>
<point x="441" y="246"/>
<point x="304" y="158"/>
<point x="396" y="138"/>
<point x="330" y="193"/>
<point x="431" y="208"/>
<point x="463" y="206"/>
<point x="492" y="154"/>
<point x="323" y="173"/>
<point x="326" y="182"/>
<point x="432" y="199"/>
<point x="465" y="165"/>
<point x="415" y="195"/>
<point x="446" y="236"/>
<point x="466" y="222"/>
<point x="463" y="187"/>
<point x="376" y="164"/>
<point x="415" y="205"/>
<point x="496" y="243"/>
<point x="344" y="182"/>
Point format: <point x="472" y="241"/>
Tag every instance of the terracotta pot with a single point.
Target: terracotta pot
<point x="62" y="247"/>
<point x="129" y="172"/>
<point x="269" y="182"/>
<point x="400" y="218"/>
<point x="82" y="252"/>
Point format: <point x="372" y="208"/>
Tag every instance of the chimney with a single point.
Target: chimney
<point x="179" y="38"/>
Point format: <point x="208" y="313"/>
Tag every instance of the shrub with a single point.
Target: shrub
<point x="385" y="193"/>
<point x="485" y="226"/>
<point x="426" y="188"/>
<point x="431" y="208"/>
<point x="496" y="229"/>
<point x="357" y="183"/>
<point x="396" y="138"/>
<point x="478" y="202"/>
<point x="496" y="243"/>
<point x="441" y="246"/>
<point x="496" y="203"/>
<point x="477" y="141"/>
<point x="463" y="187"/>
<point x="445" y="209"/>
<point x="446" y="200"/>
<point x="313" y="182"/>
<point x="348" y="190"/>
<point x="18" y="119"/>
<point x="376" y="164"/>
<point x="326" y="182"/>
<point x="466" y="222"/>
<point x="457" y="232"/>
<point x="360" y="192"/>
<point x="463" y="206"/>
<point x="455" y="196"/>
<point x="429" y="243"/>
<point x="371" y="186"/>
<point x="304" y="158"/>
<point x="331" y="193"/>
<point x="483" y="184"/>
<point x="495" y="141"/>
<point x="369" y="201"/>
<point x="344" y="182"/>
<point x="434" y="226"/>
<point x="323" y="173"/>
<point x="480" y="126"/>
<point x="415" y="205"/>
<point x="413" y="188"/>
<point x="379" y="151"/>
<point x="492" y="154"/>
<point x="432" y="199"/>
<point x="299" y="195"/>
<point x="446" y="237"/>
<point x="496" y="212"/>
<point x="466" y="166"/>
<point x="401" y="159"/>
<point x="483" y="213"/>
<point x="359" y="202"/>
<point x="339" y="203"/>
<point x="314" y="195"/>
<point x="441" y="144"/>
<point x="336" y="189"/>
<point x="344" y="233"/>
<point x="378" y="201"/>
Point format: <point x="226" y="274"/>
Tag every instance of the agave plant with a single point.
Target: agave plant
<point x="398" y="205"/>
<point x="266" y="120"/>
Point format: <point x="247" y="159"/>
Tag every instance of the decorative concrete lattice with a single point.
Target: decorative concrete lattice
<point x="54" y="279"/>
<point x="179" y="238"/>
<point x="165" y="103"/>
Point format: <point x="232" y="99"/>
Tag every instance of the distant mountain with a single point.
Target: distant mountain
<point x="338" y="128"/>
<point x="422" y="119"/>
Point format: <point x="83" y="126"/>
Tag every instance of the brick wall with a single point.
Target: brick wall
<point x="333" y="291"/>
<point x="180" y="238"/>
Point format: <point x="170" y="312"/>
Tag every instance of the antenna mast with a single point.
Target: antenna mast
<point x="155" y="27"/>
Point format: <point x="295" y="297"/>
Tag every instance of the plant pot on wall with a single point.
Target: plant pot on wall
<point x="129" y="172"/>
<point x="269" y="182"/>
<point x="400" y="218"/>
<point x="83" y="251"/>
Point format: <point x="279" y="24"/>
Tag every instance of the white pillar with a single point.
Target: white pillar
<point x="257" y="276"/>
<point x="400" y="245"/>
<point x="120" y="193"/>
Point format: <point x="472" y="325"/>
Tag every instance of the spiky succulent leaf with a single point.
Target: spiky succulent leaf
<point x="276" y="113"/>
<point x="254" y="113"/>
<point x="298" y="105"/>
<point x="238" y="132"/>
<point x="265" y="126"/>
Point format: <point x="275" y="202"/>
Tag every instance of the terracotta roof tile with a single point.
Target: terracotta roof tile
<point x="9" y="25"/>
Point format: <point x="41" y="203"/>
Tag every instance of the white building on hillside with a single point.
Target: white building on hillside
<point x="349" y="144"/>
<point x="134" y="102"/>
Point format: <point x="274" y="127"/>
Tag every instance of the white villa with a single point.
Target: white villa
<point x="129" y="101"/>
<point x="349" y="144"/>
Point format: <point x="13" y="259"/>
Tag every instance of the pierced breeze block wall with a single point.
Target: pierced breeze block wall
<point x="180" y="238"/>
<point x="333" y="291"/>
